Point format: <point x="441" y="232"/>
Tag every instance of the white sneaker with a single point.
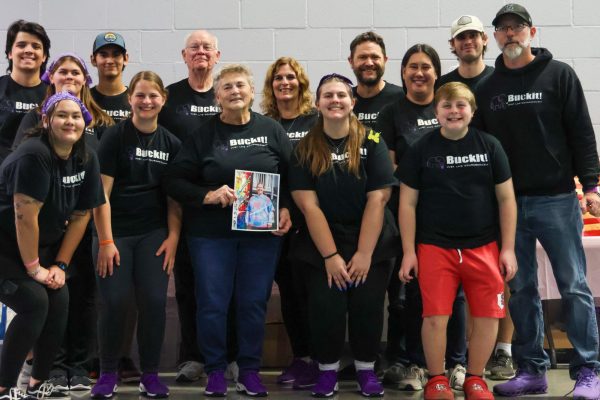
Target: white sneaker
<point x="232" y="371"/>
<point x="414" y="379"/>
<point x="456" y="376"/>
<point x="190" y="371"/>
<point x="25" y="374"/>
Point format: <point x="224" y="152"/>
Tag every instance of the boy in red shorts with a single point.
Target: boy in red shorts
<point x="457" y="206"/>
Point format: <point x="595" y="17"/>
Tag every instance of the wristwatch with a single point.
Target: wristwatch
<point x="62" y="265"/>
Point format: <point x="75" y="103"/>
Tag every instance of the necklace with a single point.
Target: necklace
<point x="341" y="143"/>
<point x="139" y="138"/>
<point x="289" y="128"/>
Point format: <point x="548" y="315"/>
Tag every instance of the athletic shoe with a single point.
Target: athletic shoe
<point x="232" y="372"/>
<point x="106" y="386"/>
<point x="189" y="371"/>
<point x="128" y="372"/>
<point x="151" y="386"/>
<point x="368" y="384"/>
<point x="326" y="385"/>
<point x="295" y="369"/>
<point x="46" y="390"/>
<point x="80" y="382"/>
<point x="308" y="378"/>
<point x="395" y="373"/>
<point x="476" y="389"/>
<point x="438" y="388"/>
<point x="523" y="383"/>
<point x="587" y="385"/>
<point x="501" y="366"/>
<point x="25" y="373"/>
<point x="249" y="383"/>
<point x="414" y="379"/>
<point x="14" y="393"/>
<point x="456" y="376"/>
<point x="59" y="381"/>
<point x="216" y="385"/>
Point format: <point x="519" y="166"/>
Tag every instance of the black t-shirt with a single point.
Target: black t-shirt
<point x="186" y="109"/>
<point x="403" y="122"/>
<point x="367" y="109"/>
<point x="456" y="181"/>
<point x="15" y="102"/>
<point x="472" y="83"/>
<point x="208" y="160"/>
<point x="62" y="185"/>
<point x="117" y="107"/>
<point x="136" y="161"/>
<point x="297" y="128"/>
<point x="33" y="119"/>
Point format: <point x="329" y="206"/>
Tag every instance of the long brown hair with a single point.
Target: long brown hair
<point x="314" y="151"/>
<point x="269" y="103"/>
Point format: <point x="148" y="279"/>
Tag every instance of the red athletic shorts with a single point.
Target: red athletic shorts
<point x="442" y="270"/>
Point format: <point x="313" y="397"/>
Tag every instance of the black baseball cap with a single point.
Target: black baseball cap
<point x="106" y="38"/>
<point x="515" y="9"/>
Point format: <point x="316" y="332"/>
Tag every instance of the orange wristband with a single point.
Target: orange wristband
<point x="105" y="242"/>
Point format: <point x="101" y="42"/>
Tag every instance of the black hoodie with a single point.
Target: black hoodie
<point x="539" y="114"/>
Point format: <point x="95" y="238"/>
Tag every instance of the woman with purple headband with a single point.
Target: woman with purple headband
<point x="340" y="178"/>
<point x="47" y="188"/>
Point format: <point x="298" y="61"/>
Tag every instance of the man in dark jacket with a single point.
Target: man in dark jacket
<point x="535" y="106"/>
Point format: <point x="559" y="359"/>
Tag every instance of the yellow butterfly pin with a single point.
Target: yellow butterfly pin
<point x="374" y="136"/>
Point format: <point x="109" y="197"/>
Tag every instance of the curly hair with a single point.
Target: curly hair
<point x="269" y="104"/>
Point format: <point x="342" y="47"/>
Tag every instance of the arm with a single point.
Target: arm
<point x="108" y="254"/>
<point x="321" y="236"/>
<point x="507" y="207"/>
<point x="27" y="210"/>
<point x="169" y="246"/>
<point x="407" y="220"/>
<point x="370" y="229"/>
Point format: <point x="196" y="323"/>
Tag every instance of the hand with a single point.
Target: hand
<point x="508" y="264"/>
<point x="169" y="248"/>
<point x="55" y="278"/>
<point x="41" y="276"/>
<point x="336" y="272"/>
<point x="358" y="267"/>
<point x="285" y="222"/>
<point x="408" y="265"/>
<point x="108" y="258"/>
<point x="591" y="203"/>
<point x="225" y="196"/>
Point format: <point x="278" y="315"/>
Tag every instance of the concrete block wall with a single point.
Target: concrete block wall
<point x="317" y="32"/>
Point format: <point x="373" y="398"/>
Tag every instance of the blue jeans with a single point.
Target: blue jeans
<point x="222" y="267"/>
<point x="556" y="222"/>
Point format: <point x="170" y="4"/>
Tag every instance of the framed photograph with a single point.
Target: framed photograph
<point x="256" y="207"/>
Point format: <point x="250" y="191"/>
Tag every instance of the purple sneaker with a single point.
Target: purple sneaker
<point x="326" y="385"/>
<point x="295" y="369"/>
<point x="151" y="386"/>
<point x="105" y="386"/>
<point x="587" y="385"/>
<point x="216" y="385"/>
<point x="368" y="384"/>
<point x="523" y="383"/>
<point x="308" y="378"/>
<point x="249" y="383"/>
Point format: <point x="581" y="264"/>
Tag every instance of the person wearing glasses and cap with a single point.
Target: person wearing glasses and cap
<point x="110" y="57"/>
<point x="52" y="178"/>
<point x="340" y="178"/>
<point x="536" y="107"/>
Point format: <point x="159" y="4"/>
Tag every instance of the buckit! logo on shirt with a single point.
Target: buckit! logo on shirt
<point x="437" y="162"/>
<point x="503" y="101"/>
<point x="242" y="143"/>
<point x="73" y="180"/>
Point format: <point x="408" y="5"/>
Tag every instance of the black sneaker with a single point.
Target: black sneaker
<point x="46" y="390"/>
<point x="60" y="382"/>
<point x="14" y="393"/>
<point x="80" y="382"/>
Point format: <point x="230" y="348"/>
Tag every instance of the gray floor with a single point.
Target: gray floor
<point x="558" y="379"/>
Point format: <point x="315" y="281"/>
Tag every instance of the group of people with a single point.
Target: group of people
<point x="433" y="192"/>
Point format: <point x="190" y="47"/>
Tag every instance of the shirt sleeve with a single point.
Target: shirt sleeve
<point x="32" y="176"/>
<point x="500" y="164"/>
<point x="91" y="194"/>
<point x="300" y="177"/>
<point x="109" y="150"/>
<point x="409" y="170"/>
<point x="380" y="172"/>
<point x="385" y="126"/>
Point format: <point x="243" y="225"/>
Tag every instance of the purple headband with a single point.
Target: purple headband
<point x="47" y="73"/>
<point x="55" y="98"/>
<point x="334" y="75"/>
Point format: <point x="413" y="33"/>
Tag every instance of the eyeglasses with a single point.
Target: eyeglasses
<point x="197" y="46"/>
<point x="515" y="28"/>
<point x="329" y="77"/>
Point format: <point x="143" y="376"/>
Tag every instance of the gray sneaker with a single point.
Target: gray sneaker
<point x="189" y="371"/>
<point x="60" y="382"/>
<point x="80" y="383"/>
<point x="25" y="374"/>
<point x="395" y="373"/>
<point x="414" y="380"/>
<point x="456" y="376"/>
<point x="501" y="366"/>
<point x="232" y="372"/>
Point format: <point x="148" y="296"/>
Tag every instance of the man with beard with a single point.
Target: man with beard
<point x="536" y="107"/>
<point x="468" y="44"/>
<point x="367" y="60"/>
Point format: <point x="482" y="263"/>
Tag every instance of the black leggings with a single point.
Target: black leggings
<point x="39" y="324"/>
<point x="328" y="307"/>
